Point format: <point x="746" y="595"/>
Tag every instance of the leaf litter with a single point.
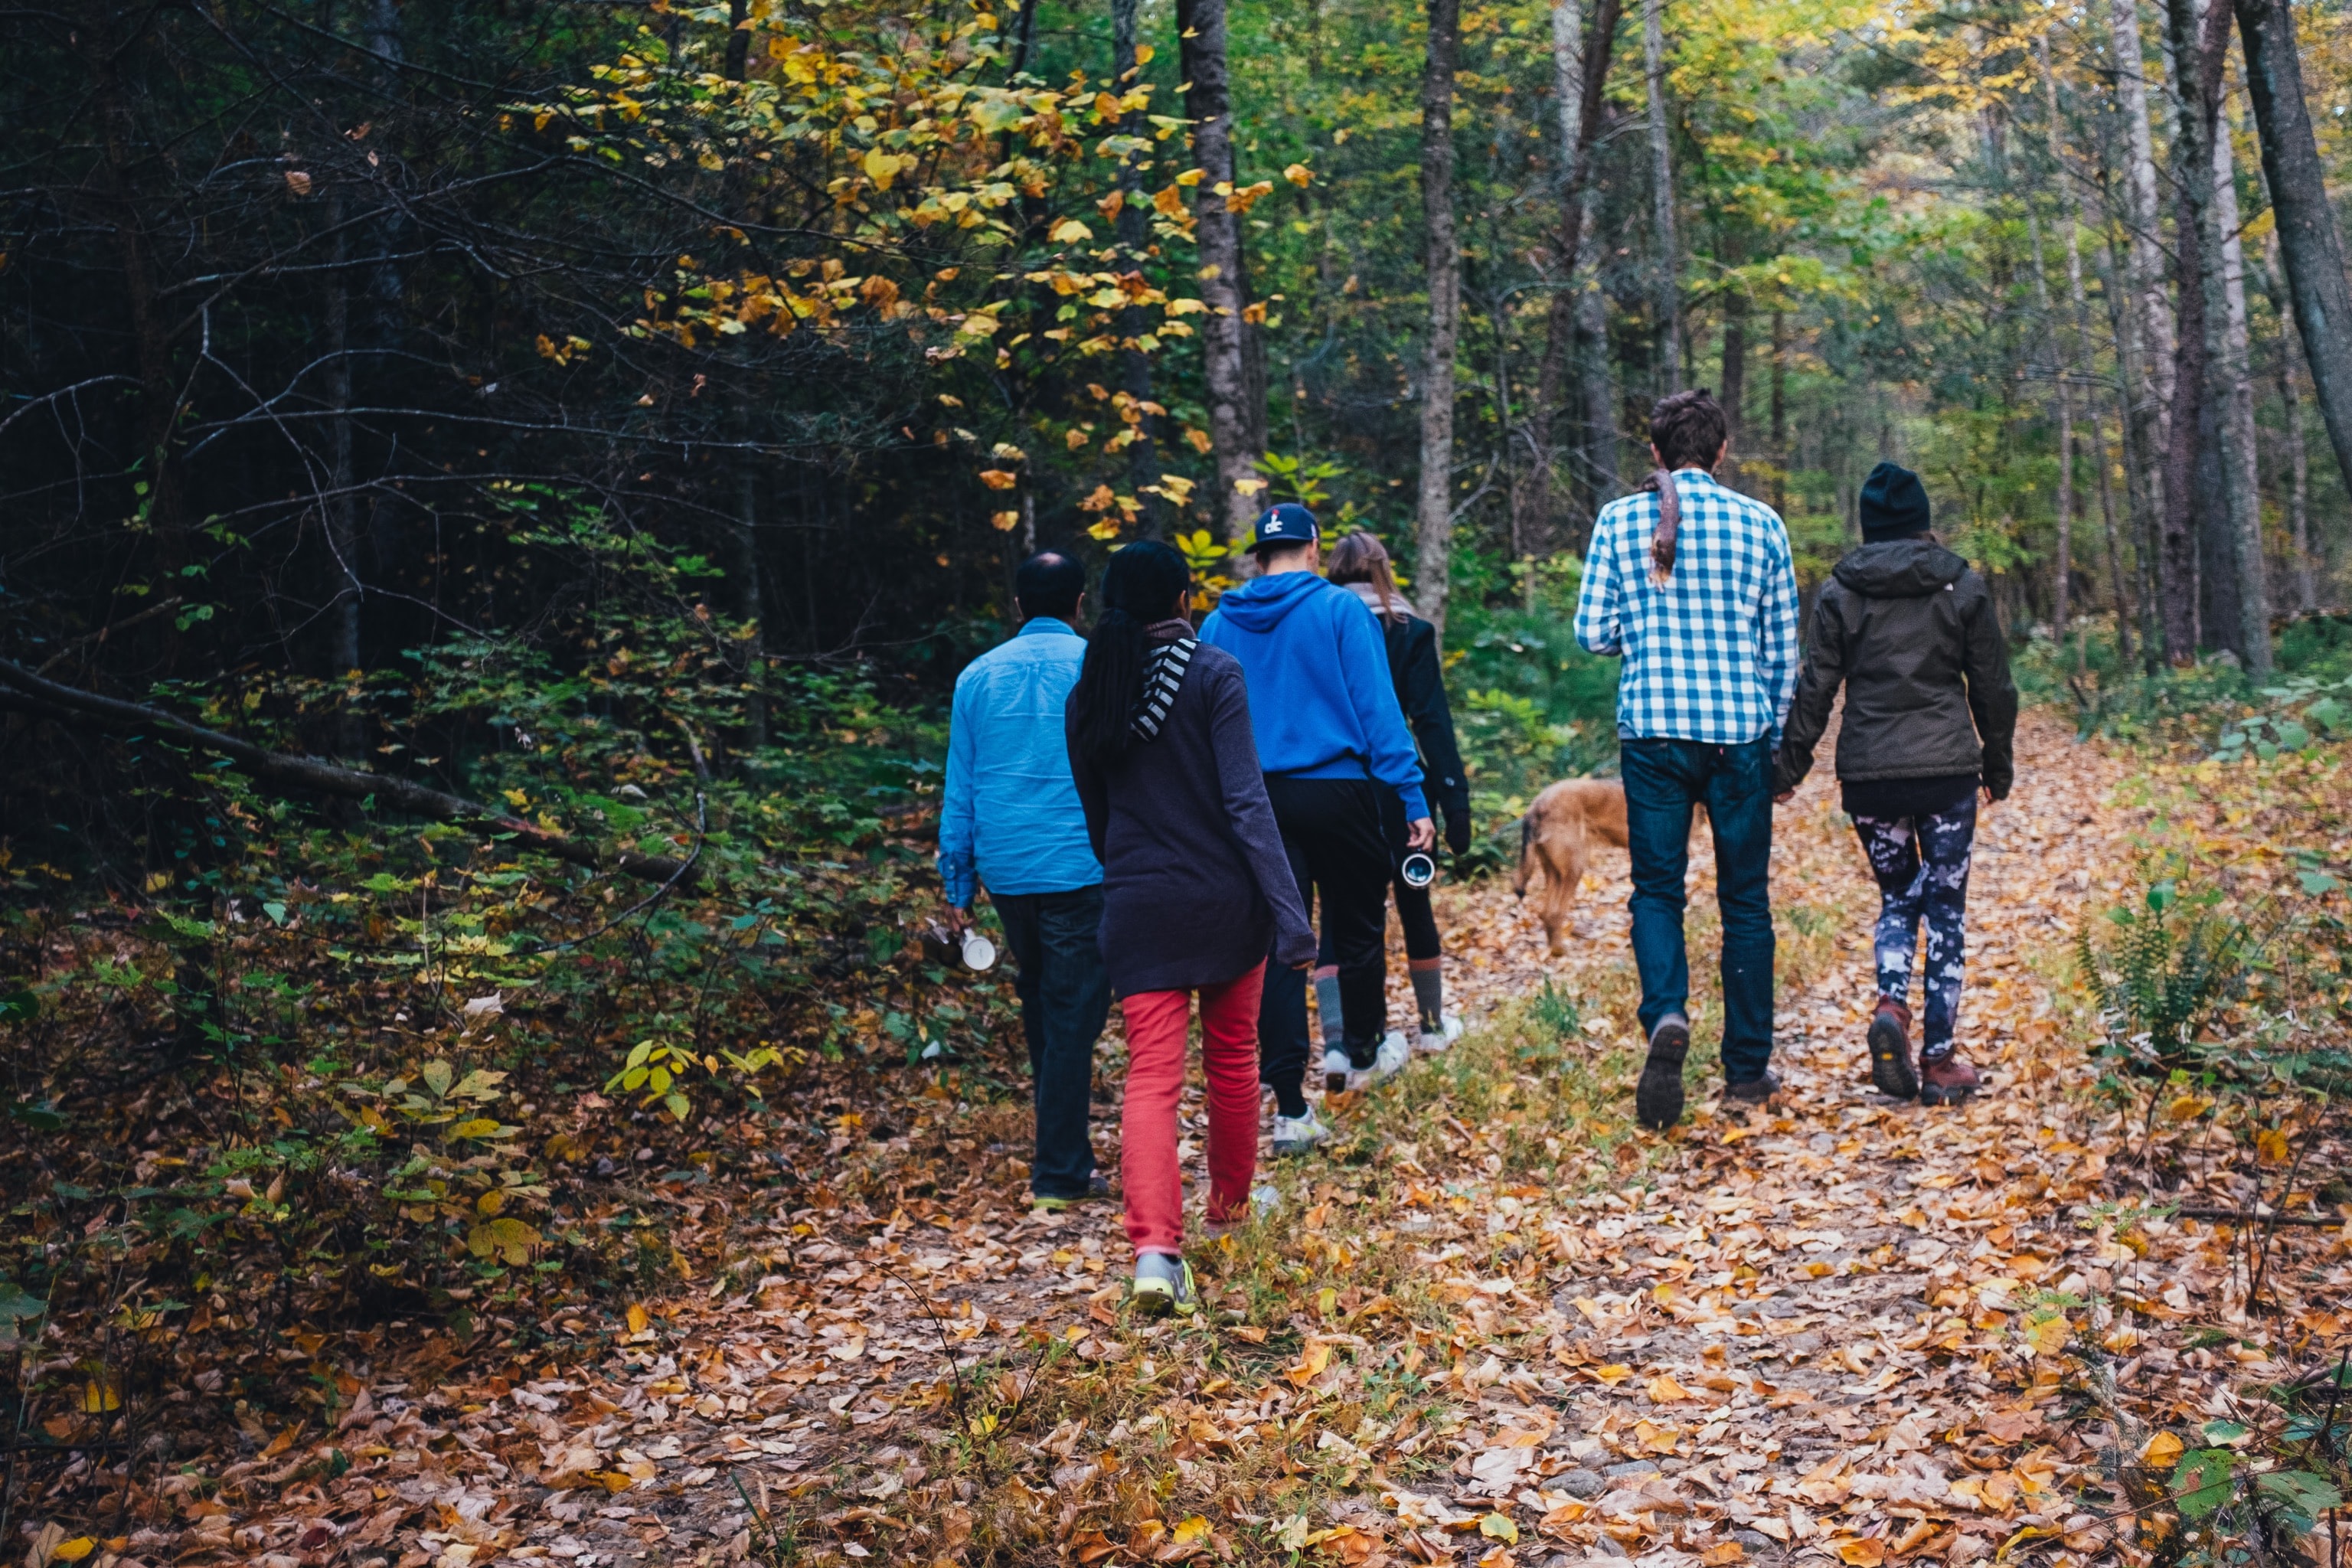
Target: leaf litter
<point x="1494" y="1325"/>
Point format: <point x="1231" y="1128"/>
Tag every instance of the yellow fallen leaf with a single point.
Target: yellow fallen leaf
<point x="1499" y="1527"/>
<point x="1665" y="1390"/>
<point x="639" y="1320"/>
<point x="1658" y="1439"/>
<point x="2160" y="1451"/>
<point x="1311" y="1364"/>
<point x="1613" y="1374"/>
<point x="1191" y="1532"/>
<point x="73" y="1551"/>
<point x="1862" y="1552"/>
<point x="100" y="1395"/>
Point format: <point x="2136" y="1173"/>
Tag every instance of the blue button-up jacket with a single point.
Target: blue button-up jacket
<point x="1012" y="818"/>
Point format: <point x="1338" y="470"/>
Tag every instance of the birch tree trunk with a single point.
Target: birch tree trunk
<point x="1434" y="536"/>
<point x="2234" y="382"/>
<point x="2143" y="221"/>
<point x="1662" y="200"/>
<point x="2061" y="366"/>
<point x="1224" y="348"/>
<point x="2308" y="242"/>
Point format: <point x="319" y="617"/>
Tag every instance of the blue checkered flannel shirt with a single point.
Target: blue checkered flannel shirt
<point x="1711" y="653"/>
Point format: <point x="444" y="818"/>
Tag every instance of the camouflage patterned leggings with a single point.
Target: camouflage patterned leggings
<point x="1922" y="866"/>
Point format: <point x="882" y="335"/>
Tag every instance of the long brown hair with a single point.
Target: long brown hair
<point x="1360" y="557"/>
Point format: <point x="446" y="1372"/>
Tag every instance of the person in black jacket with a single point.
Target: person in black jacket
<point x="1360" y="563"/>
<point x="1931" y="720"/>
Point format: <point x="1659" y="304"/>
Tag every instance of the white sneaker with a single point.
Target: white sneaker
<point x="1390" y="1059"/>
<point x="1433" y="1041"/>
<point x="1297" y="1134"/>
<point x="1338" y="1070"/>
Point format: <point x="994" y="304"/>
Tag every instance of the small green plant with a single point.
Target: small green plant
<point x="2164" y="971"/>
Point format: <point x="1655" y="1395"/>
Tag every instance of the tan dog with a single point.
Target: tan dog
<point x="1558" y="835"/>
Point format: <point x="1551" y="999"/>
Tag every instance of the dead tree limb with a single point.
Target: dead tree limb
<point x="68" y="705"/>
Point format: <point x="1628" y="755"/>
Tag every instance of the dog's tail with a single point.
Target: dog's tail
<point x="1527" y="870"/>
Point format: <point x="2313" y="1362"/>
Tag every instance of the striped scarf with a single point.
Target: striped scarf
<point x="1163" y="676"/>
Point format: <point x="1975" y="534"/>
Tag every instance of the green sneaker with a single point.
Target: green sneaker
<point x="1164" y="1284"/>
<point x="1098" y="1189"/>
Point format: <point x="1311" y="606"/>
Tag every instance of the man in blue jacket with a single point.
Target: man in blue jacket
<point x="1011" y="820"/>
<point x="1330" y="736"/>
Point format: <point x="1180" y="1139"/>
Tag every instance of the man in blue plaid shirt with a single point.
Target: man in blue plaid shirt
<point x="1693" y="586"/>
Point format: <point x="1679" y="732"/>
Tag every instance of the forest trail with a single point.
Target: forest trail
<point x="1845" y="1331"/>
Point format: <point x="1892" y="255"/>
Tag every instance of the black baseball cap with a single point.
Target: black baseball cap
<point x="1289" y="523"/>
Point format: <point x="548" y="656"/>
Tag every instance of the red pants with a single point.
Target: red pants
<point x="1155" y="1077"/>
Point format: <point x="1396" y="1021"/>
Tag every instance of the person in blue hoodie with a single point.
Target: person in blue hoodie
<point x="1330" y="737"/>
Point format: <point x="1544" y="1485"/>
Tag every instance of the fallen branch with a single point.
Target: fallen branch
<point x="2247" y="1216"/>
<point x="23" y="690"/>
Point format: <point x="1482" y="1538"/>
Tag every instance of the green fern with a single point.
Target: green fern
<point x="2169" y="966"/>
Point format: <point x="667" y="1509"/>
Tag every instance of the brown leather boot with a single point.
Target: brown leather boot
<point x="1947" y="1081"/>
<point x="1890" y="1050"/>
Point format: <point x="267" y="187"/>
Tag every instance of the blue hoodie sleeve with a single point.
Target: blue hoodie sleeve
<point x="1364" y="676"/>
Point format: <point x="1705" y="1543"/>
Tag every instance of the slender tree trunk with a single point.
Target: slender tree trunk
<point x="342" y="509"/>
<point x="2142" y="219"/>
<point x="2061" y="366"/>
<point x="1598" y="447"/>
<point x="2308" y="242"/>
<point x="2234" y="382"/>
<point x="751" y="600"/>
<point x="2131" y="434"/>
<point x="1578" y="62"/>
<point x="2078" y="349"/>
<point x="1434" y="536"/>
<point x="1733" y="387"/>
<point x="1134" y="240"/>
<point x="1662" y="200"/>
<point x="1233" y="425"/>
<point x="2298" y="454"/>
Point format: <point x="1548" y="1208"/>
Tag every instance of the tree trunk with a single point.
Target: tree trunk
<point x="1662" y="200"/>
<point x="2131" y="433"/>
<point x="751" y="601"/>
<point x="1134" y="242"/>
<point x="2234" y="384"/>
<point x="1733" y="387"/>
<point x="1601" y="439"/>
<point x="1224" y="347"/>
<point x="2061" y="366"/>
<point x="1433" y="535"/>
<point x="1580" y="62"/>
<point x="1780" y="414"/>
<point x="2142" y="219"/>
<point x="2308" y="243"/>
<point x="2306" y="589"/>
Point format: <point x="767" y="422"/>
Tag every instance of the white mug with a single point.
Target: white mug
<point x="979" y="952"/>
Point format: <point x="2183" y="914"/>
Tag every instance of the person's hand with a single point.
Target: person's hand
<point x="1784" y="797"/>
<point x="1422" y="834"/>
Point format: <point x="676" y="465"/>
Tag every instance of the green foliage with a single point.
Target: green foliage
<point x="2162" y="970"/>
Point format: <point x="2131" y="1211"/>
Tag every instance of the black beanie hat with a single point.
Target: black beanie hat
<point x="1893" y="504"/>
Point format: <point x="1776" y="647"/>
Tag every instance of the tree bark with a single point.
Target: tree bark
<point x="1224" y="346"/>
<point x="2308" y="241"/>
<point x="27" y="692"/>
<point x="2140" y="484"/>
<point x="1779" y="413"/>
<point x="2299" y="455"/>
<point x="1580" y="64"/>
<point x="2234" y="382"/>
<point x="2142" y="220"/>
<point x="2061" y="366"/>
<point x="750" y="599"/>
<point x="1732" y="390"/>
<point x="1134" y="243"/>
<point x="1433" y="535"/>
<point x="1662" y="200"/>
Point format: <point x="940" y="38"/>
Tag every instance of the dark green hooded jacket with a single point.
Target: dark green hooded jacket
<point x="1909" y="630"/>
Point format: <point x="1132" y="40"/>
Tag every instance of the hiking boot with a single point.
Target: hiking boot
<point x="1890" y="1050"/>
<point x="1947" y="1081"/>
<point x="1339" y="1072"/>
<point x="1297" y="1134"/>
<point x="1390" y="1059"/>
<point x="1098" y="1189"/>
<point x="1164" y="1284"/>
<point x="1658" y="1098"/>
<point x="1753" y="1090"/>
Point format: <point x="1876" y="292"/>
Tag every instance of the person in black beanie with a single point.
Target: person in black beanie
<point x="1908" y="628"/>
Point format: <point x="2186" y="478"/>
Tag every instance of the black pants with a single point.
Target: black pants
<point x="1331" y="830"/>
<point x="1065" y="994"/>
<point x="1415" y="916"/>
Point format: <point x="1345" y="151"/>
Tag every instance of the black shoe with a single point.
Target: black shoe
<point x="1658" y="1098"/>
<point x="1753" y="1090"/>
<point x="1890" y="1051"/>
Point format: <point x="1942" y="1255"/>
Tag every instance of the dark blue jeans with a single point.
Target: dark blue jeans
<point x="1065" y="994"/>
<point x="1664" y="779"/>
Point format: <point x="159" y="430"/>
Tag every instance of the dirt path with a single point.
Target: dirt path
<point x="1495" y="1324"/>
